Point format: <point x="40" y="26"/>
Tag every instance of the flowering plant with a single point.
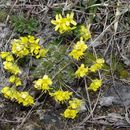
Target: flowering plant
<point x="53" y="79"/>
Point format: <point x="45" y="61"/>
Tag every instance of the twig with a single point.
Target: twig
<point x="86" y="118"/>
<point x="88" y="97"/>
<point x="25" y="118"/>
<point x="102" y="34"/>
<point x="10" y="11"/>
<point x="9" y="121"/>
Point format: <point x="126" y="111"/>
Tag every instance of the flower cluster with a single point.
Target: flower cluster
<point x="27" y="45"/>
<point x="16" y="80"/>
<point x="75" y="103"/>
<point x="61" y="96"/>
<point x="70" y="113"/>
<point x="43" y="84"/>
<point x="95" y="85"/>
<point x="82" y="71"/>
<point x="8" y="92"/>
<point x="20" y="48"/>
<point x="25" y="98"/>
<point x="11" y="67"/>
<point x="73" y="108"/>
<point x="78" y="49"/>
<point x="84" y="32"/>
<point x="7" y="56"/>
<point x="64" y="24"/>
<point x="20" y="97"/>
<point x="98" y="65"/>
<point x="9" y="63"/>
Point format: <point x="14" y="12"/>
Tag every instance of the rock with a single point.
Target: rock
<point x="118" y="94"/>
<point x="31" y="127"/>
<point x="106" y="101"/>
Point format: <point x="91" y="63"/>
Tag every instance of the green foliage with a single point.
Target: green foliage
<point x="77" y="31"/>
<point x="122" y="73"/>
<point x="57" y="11"/>
<point x="3" y="15"/>
<point x="89" y="58"/>
<point x="56" y="64"/>
<point x="23" y="25"/>
<point x="116" y="67"/>
<point x="92" y="10"/>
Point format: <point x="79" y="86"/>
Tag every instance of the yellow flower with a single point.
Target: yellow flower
<point x="100" y="61"/>
<point x="15" y="79"/>
<point x="20" y="97"/>
<point x="95" y="85"/>
<point x="64" y="24"/>
<point x="75" y="103"/>
<point x="80" y="45"/>
<point x="69" y="19"/>
<point x="4" y="54"/>
<point x="82" y="71"/>
<point x="84" y="32"/>
<point x="8" y="92"/>
<point x="70" y="113"/>
<point x="78" y="49"/>
<point x="61" y="96"/>
<point x="11" y="67"/>
<point x="7" y="56"/>
<point x="95" y="67"/>
<point x="76" y="54"/>
<point x="31" y="39"/>
<point x="42" y="52"/>
<point x="43" y="83"/>
<point x="28" y="45"/>
<point x="34" y="49"/>
<point x="57" y="22"/>
<point x="98" y="65"/>
<point x="19" y="48"/>
<point x="25" y="99"/>
<point x="24" y="40"/>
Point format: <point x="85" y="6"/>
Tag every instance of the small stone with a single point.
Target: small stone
<point x="106" y="101"/>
